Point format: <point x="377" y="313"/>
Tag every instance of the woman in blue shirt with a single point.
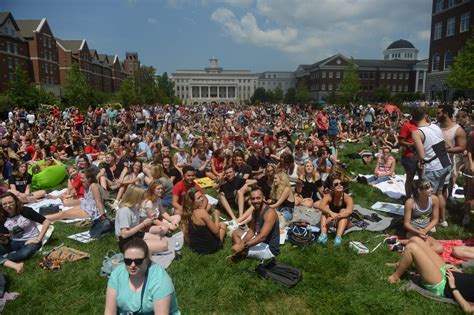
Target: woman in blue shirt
<point x="139" y="286"/>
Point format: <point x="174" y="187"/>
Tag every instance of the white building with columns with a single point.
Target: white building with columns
<point x="214" y="84"/>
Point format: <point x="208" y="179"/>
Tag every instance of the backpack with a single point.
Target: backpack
<point x="279" y="272"/>
<point x="111" y="261"/>
<point x="300" y="234"/>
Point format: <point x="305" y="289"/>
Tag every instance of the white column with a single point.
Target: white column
<point x="416" y="81"/>
<point x="227" y="92"/>
<point x="208" y="91"/>
<point x="199" y="91"/>
<point x="424" y="81"/>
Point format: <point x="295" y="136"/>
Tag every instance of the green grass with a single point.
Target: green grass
<point x="334" y="280"/>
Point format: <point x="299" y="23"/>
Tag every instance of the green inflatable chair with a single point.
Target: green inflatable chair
<point x="48" y="177"/>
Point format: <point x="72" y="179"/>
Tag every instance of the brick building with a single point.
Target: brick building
<point x="399" y="71"/>
<point x="43" y="53"/>
<point x="131" y="63"/>
<point x="451" y="27"/>
<point x="14" y="50"/>
<point x="46" y="59"/>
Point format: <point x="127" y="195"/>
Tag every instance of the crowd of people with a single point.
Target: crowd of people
<point x="140" y="165"/>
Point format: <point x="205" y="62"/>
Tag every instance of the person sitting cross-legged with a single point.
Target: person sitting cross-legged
<point x="262" y="239"/>
<point x="232" y="192"/>
<point x="336" y="208"/>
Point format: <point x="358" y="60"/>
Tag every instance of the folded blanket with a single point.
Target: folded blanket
<point x="369" y="224"/>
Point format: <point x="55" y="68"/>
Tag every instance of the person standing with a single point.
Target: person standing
<point x="434" y="161"/>
<point x="408" y="153"/>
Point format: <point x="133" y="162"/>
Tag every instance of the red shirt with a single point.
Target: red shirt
<point x="322" y="121"/>
<point x="30" y="150"/>
<point x="78" y="186"/>
<point x="78" y="120"/>
<point x="91" y="150"/>
<point x="405" y="134"/>
<point x="180" y="190"/>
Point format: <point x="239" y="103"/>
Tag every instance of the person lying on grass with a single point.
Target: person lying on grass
<point x="19" y="234"/>
<point x="90" y="206"/>
<point x="336" y="207"/>
<point x="262" y="239"/>
<point x="128" y="225"/>
<point x="139" y="286"/>
<point x="203" y="234"/>
<point x="421" y="214"/>
<point x="436" y="276"/>
<point x="152" y="207"/>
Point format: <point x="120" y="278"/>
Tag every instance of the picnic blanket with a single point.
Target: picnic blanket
<point x="395" y="187"/>
<point x="164" y="259"/>
<point x="392" y="208"/>
<point x="372" y="226"/>
<point x="204" y="182"/>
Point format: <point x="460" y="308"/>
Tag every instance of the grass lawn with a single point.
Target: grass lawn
<point x="334" y="280"/>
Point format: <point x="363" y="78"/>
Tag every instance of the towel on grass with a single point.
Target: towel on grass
<point x="415" y="285"/>
<point x="392" y="208"/>
<point x="372" y="226"/>
<point x="448" y="249"/>
<point x="164" y="259"/>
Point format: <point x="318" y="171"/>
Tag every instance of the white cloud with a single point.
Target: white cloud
<point x="151" y="20"/>
<point x="308" y="30"/>
<point x="237" y="3"/>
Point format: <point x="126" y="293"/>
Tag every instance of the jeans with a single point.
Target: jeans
<point x="17" y="251"/>
<point x="287" y="213"/>
<point x="378" y="180"/>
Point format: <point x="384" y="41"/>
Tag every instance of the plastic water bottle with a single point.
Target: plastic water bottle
<point x="177" y="251"/>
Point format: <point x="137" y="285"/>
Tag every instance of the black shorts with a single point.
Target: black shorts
<point x="122" y="241"/>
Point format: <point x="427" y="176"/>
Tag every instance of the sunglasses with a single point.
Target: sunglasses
<point x="337" y="184"/>
<point x="425" y="187"/>
<point x="138" y="261"/>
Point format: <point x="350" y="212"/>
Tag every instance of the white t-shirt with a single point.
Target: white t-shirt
<point x="30" y="118"/>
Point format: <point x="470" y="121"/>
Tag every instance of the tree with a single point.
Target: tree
<point x="76" y="91"/>
<point x="166" y="90"/>
<point x="278" y="95"/>
<point x="382" y="94"/>
<point x="350" y="85"/>
<point x="302" y="94"/>
<point x="127" y="93"/>
<point x="259" y="96"/>
<point x="145" y="85"/>
<point x="461" y="76"/>
<point x="21" y="91"/>
<point x="45" y="97"/>
<point x="290" y="96"/>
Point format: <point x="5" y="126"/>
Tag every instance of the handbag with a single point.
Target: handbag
<point x="279" y="272"/>
<point x="111" y="261"/>
<point x="49" y="209"/>
<point x="101" y="226"/>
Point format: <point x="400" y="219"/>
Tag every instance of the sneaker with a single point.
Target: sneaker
<point x="322" y="239"/>
<point x="444" y="224"/>
<point x="433" y="230"/>
<point x="466" y="220"/>
<point x="337" y="241"/>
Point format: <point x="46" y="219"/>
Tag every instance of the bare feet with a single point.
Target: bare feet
<point x="393" y="279"/>
<point x="18" y="267"/>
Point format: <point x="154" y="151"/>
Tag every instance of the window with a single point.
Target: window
<point x="436" y="60"/>
<point x="338" y="75"/>
<point x="407" y="75"/>
<point x="382" y="75"/>
<point x="394" y="88"/>
<point x="464" y="26"/>
<point x="330" y="87"/>
<point x="450" y="26"/>
<point x="389" y="75"/>
<point x="450" y="3"/>
<point x="438" y="6"/>
<point x="400" y="88"/>
<point x="330" y="74"/>
<point x="448" y="59"/>
<point x="323" y="87"/>
<point x="323" y="74"/>
<point x="438" y="30"/>
<point x="405" y="88"/>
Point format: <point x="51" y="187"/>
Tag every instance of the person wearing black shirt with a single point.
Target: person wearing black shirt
<point x="241" y="169"/>
<point x="19" y="235"/>
<point x="20" y="185"/>
<point x="171" y="171"/>
<point x="232" y="191"/>
<point x="256" y="162"/>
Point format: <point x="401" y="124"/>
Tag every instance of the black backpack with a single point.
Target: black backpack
<point x="279" y="272"/>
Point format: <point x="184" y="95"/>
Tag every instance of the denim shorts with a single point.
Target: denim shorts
<point x="436" y="178"/>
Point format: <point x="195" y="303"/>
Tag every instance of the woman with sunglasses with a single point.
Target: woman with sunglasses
<point x="139" y="286"/>
<point x="422" y="214"/>
<point x="129" y="226"/>
<point x="336" y="208"/>
<point x="384" y="169"/>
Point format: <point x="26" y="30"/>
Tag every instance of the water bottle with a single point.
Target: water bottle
<point x="177" y="251"/>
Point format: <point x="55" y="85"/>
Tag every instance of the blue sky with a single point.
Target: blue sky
<point x="258" y="35"/>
